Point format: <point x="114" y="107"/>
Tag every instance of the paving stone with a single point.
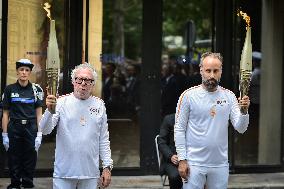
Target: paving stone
<point x="236" y="181"/>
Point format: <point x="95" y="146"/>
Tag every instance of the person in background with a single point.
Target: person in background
<point x="82" y="137"/>
<point x="181" y="79"/>
<point x="195" y="78"/>
<point x="169" y="163"/>
<point x="201" y="127"/>
<point x="108" y="76"/>
<point x="170" y="90"/>
<point x="132" y="90"/>
<point x="22" y="110"/>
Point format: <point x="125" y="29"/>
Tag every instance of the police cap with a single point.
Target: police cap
<point x="24" y="62"/>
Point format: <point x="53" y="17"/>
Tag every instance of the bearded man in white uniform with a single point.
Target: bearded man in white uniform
<point x="201" y="128"/>
<point x="82" y="134"/>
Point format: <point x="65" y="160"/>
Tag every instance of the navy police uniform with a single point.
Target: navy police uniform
<point x="21" y="102"/>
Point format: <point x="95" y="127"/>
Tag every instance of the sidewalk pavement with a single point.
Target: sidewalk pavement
<point x="236" y="181"/>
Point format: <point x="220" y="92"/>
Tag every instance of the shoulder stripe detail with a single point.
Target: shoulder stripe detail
<point x="181" y="98"/>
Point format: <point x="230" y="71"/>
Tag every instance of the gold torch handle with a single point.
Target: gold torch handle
<point x="244" y="82"/>
<point x="52" y="81"/>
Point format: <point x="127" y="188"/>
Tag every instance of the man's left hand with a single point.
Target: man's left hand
<point x="105" y="178"/>
<point x="244" y="104"/>
<point x="174" y="159"/>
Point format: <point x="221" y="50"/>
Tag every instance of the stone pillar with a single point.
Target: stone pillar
<point x="95" y="39"/>
<point x="24" y="39"/>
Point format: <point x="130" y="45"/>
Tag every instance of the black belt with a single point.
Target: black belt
<point x="23" y="121"/>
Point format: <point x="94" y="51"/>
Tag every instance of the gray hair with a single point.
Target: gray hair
<point x="84" y="66"/>
<point x="211" y="54"/>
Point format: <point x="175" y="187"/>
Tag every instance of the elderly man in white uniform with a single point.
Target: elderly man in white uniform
<point x="82" y="134"/>
<point x="201" y="128"/>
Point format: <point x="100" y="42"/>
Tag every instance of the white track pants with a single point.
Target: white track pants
<point x="213" y="177"/>
<point x="62" y="183"/>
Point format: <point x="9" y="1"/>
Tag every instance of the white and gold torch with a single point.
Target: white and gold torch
<point x="246" y="58"/>
<point x="52" y="61"/>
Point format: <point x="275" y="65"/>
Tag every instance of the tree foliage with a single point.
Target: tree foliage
<point x="132" y="16"/>
<point x="175" y="16"/>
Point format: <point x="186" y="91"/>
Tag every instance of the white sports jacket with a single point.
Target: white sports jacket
<point x="82" y="137"/>
<point x="201" y="127"/>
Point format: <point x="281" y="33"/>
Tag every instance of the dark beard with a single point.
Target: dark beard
<point x="210" y="84"/>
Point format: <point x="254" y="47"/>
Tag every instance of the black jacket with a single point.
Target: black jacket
<point x="166" y="140"/>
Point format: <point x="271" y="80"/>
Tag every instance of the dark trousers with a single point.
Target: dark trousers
<point x="175" y="180"/>
<point x="21" y="154"/>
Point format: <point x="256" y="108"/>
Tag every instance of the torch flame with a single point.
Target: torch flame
<point x="245" y="17"/>
<point x="47" y="9"/>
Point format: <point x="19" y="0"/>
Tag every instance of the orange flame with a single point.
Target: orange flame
<point x="245" y="17"/>
<point x="47" y="9"/>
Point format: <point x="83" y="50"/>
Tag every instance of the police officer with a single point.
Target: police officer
<point x="22" y="110"/>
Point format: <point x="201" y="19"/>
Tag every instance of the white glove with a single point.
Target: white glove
<point x="38" y="140"/>
<point x="5" y="141"/>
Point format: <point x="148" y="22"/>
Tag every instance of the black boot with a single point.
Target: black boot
<point x="13" y="187"/>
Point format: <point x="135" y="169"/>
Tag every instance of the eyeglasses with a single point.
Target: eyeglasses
<point x="80" y="80"/>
